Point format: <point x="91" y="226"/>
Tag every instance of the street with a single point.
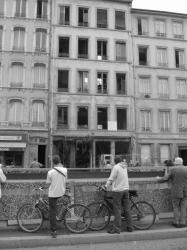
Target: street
<point x="165" y="244"/>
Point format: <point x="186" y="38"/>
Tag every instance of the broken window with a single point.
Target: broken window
<point x="63" y="77"/>
<point x="83" y="81"/>
<point x="63" y="47"/>
<point x="101" y="50"/>
<point x="64" y="15"/>
<point x="121" y="118"/>
<point x="102" y="118"/>
<point x="120" y="20"/>
<point x="102" y="83"/>
<point x="101" y="18"/>
<point x="83" y="17"/>
<point x="142" y="56"/>
<point x="82" y="117"/>
<point x="62" y="117"/>
<point x="121" y="83"/>
<point x="83" y="48"/>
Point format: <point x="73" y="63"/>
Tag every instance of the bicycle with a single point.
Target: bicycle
<point x="76" y="217"/>
<point x="143" y="214"/>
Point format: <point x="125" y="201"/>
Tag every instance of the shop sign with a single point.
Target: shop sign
<point x="10" y="137"/>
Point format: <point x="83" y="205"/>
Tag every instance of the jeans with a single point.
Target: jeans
<point x="118" y="204"/>
<point x="52" y="212"/>
<point x="179" y="209"/>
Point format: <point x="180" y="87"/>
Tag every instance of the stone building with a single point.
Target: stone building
<point x="24" y="59"/>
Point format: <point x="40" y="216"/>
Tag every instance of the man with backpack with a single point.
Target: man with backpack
<point x="56" y="178"/>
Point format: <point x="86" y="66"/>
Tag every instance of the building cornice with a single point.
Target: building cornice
<point x="158" y="12"/>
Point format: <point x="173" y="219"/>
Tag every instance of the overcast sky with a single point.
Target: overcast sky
<point x="179" y="6"/>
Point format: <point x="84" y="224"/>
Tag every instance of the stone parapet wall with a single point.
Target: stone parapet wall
<point x="15" y="193"/>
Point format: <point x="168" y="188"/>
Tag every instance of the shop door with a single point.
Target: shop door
<point x="183" y="155"/>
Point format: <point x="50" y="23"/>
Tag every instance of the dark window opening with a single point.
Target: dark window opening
<point x="140" y="27"/>
<point x="121" y="119"/>
<point x="82" y="154"/>
<point x="82" y="117"/>
<point x="102" y="50"/>
<point x="62" y="117"/>
<point x="42" y="154"/>
<point x="102" y="147"/>
<point x="83" y="17"/>
<point x="120" y="20"/>
<point x="102" y="18"/>
<point x="83" y="48"/>
<point x="142" y="56"/>
<point x="64" y="15"/>
<point x="121" y="83"/>
<point x="102" y="118"/>
<point x="63" y="76"/>
<point x="41" y="9"/>
<point x="63" y="47"/>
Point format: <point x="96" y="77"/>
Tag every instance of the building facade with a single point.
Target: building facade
<point x="89" y="80"/>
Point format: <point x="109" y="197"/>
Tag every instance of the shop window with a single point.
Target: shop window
<point x="20" y="8"/>
<point x="82" y="48"/>
<point x="64" y="15"/>
<point x="142" y="56"/>
<point x="62" y="117"/>
<point x="19" y="38"/>
<point x="41" y="9"/>
<point x="83" y="17"/>
<point x="121" y="119"/>
<point x="120" y="20"/>
<point x="82" y="117"/>
<point x="38" y="114"/>
<point x="102" y="149"/>
<point x="179" y="59"/>
<point x="121" y="83"/>
<point x="102" y="18"/>
<point x="83" y="81"/>
<point x="39" y="75"/>
<point x="63" y="47"/>
<point x="2" y="6"/>
<point x="1" y="37"/>
<point x="164" y="116"/>
<point x="102" y="50"/>
<point x="181" y="88"/>
<point x="142" y="27"/>
<point x="102" y="118"/>
<point x="15" y="112"/>
<point x="121" y="51"/>
<point x="16" y="75"/>
<point x="63" y="79"/>
<point x="41" y="39"/>
<point x="102" y="83"/>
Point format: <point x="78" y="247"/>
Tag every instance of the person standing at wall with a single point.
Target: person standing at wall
<point x="2" y="178"/>
<point x="120" y="193"/>
<point x="35" y="164"/>
<point x="178" y="177"/>
<point x="56" y="178"/>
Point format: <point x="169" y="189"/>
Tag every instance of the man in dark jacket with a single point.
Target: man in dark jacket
<point x="178" y="177"/>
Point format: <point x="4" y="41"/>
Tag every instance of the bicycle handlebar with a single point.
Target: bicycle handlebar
<point x="101" y="188"/>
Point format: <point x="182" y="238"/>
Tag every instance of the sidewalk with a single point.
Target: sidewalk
<point x="18" y="239"/>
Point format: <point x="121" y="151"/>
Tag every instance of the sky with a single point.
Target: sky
<point x="178" y="6"/>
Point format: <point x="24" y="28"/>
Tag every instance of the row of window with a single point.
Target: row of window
<point x="15" y="113"/>
<point x="20" y="8"/>
<point x="19" y="39"/>
<point x="160" y="28"/>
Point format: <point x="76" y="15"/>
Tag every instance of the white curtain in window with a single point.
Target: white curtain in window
<point x="164" y="120"/>
<point x="144" y="26"/>
<point x="181" y="57"/>
<point x="83" y="80"/>
<point x="164" y="153"/>
<point x="163" y="86"/>
<point x="160" y="27"/>
<point x="15" y="111"/>
<point x="17" y="73"/>
<point x="182" y="121"/>
<point x="21" y="8"/>
<point x="38" y="113"/>
<point x="181" y="87"/>
<point x="19" y="38"/>
<point x="41" y="36"/>
<point x="145" y="120"/>
<point x="177" y="28"/>
<point x="144" y="85"/>
<point x="39" y="74"/>
<point x="145" y="154"/>
<point x="162" y="56"/>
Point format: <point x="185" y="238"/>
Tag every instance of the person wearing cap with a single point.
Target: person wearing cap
<point x="178" y="177"/>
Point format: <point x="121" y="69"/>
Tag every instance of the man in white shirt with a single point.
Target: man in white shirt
<point x="120" y="193"/>
<point x="2" y="177"/>
<point x="56" y="177"/>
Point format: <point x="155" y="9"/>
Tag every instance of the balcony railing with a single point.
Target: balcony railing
<point x="160" y="34"/>
<point x="38" y="124"/>
<point x="16" y="84"/>
<point x="63" y="54"/>
<point x="179" y="36"/>
<point x="121" y="58"/>
<point x="83" y="56"/>
<point x="39" y="85"/>
<point x="83" y="24"/>
<point x="82" y="90"/>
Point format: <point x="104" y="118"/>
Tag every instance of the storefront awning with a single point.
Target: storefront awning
<point x="4" y="146"/>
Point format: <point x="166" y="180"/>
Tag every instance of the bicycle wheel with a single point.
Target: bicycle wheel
<point x="143" y="215"/>
<point x="77" y="218"/>
<point x="100" y="215"/>
<point x="30" y="218"/>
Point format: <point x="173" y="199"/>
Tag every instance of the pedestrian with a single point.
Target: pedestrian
<point x="56" y="178"/>
<point x="2" y="177"/>
<point x="35" y="164"/>
<point x="178" y="177"/>
<point x="119" y="183"/>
